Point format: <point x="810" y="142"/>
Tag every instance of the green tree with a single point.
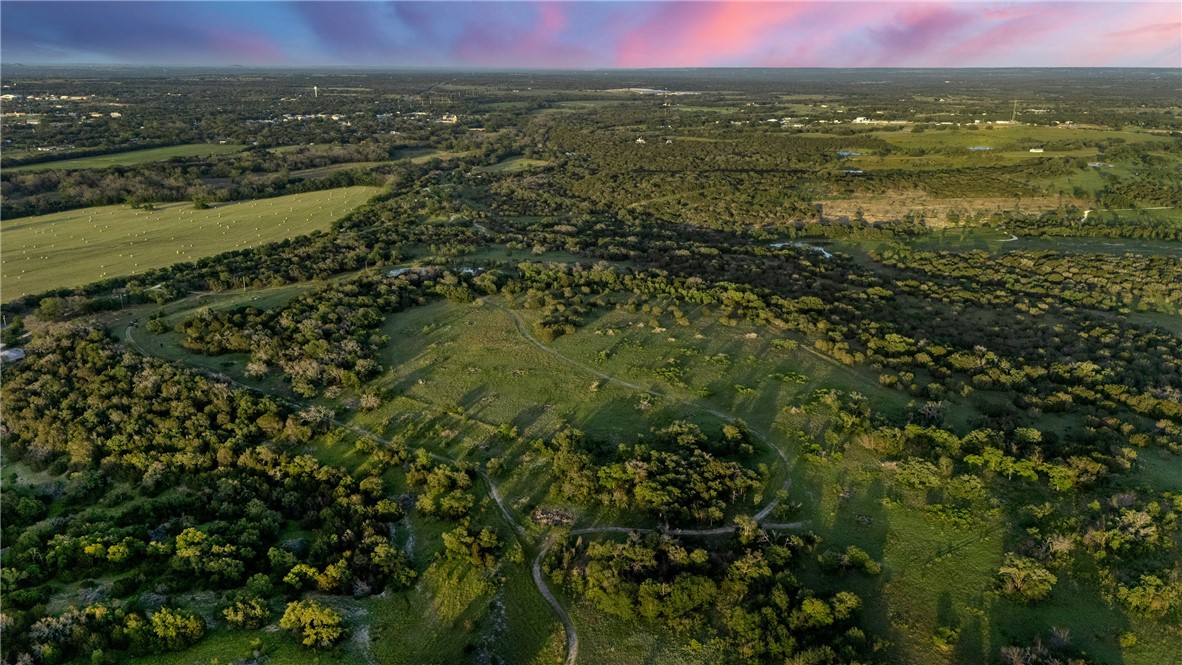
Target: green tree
<point x="318" y="626"/>
<point x="1025" y="579"/>
<point x="176" y="629"/>
<point x="52" y="309"/>
<point x="247" y="613"/>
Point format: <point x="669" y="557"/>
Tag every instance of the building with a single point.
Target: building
<point x="11" y="355"/>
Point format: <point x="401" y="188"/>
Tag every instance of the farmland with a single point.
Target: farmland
<point x="81" y="246"/>
<point x="132" y="157"/>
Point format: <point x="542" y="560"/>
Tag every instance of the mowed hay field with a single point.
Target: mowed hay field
<point x="133" y="157"/>
<point x="77" y="247"/>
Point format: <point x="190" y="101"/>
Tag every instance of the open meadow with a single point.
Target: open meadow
<point x="81" y="246"/>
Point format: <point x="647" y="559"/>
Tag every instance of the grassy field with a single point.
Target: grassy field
<point x="1001" y="135"/>
<point x="941" y="573"/>
<point x="989" y="240"/>
<point x="82" y="246"/>
<point x="935" y="162"/>
<point x="613" y="641"/>
<point x="513" y="165"/>
<point x="133" y="157"/>
<point x="424" y="155"/>
<point x="241" y="646"/>
<point x="321" y="171"/>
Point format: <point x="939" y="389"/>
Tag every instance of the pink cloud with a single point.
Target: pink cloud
<point x="916" y="31"/>
<point x="238" y="46"/>
<point x="1005" y="35"/>
<point x="496" y="38"/>
<point x="696" y="34"/>
<point x="1151" y="37"/>
<point x="1161" y="31"/>
<point x="896" y="34"/>
<point x="552" y="19"/>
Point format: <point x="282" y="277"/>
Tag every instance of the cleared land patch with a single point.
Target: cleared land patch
<point x="935" y="210"/>
<point x="514" y="165"/>
<point x="134" y="157"/>
<point x="82" y="246"/>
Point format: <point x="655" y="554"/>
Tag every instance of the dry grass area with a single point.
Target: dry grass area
<point x="897" y="204"/>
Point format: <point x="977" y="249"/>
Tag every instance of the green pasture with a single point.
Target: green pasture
<point x="928" y="565"/>
<point x="133" y="157"/>
<point x="272" y="646"/>
<point x="513" y="165"/>
<point x="938" y="161"/>
<point x="942" y="573"/>
<point x="610" y="640"/>
<point x="1153" y="213"/>
<point x="78" y="247"/>
<point x="1001" y="136"/>
<point x="424" y="155"/>
<point x="321" y="171"/>
<point x="436" y="620"/>
<point x="584" y="104"/>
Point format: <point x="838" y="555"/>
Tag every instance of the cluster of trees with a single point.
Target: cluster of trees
<point x="745" y="598"/>
<point x="676" y="475"/>
<point x="254" y="174"/>
<point x="1069" y="222"/>
<point x="1155" y="184"/>
<point x="102" y="631"/>
<point x="169" y="482"/>
<point x="324" y="338"/>
<point x="445" y="489"/>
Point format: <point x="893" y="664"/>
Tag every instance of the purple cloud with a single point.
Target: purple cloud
<point x="595" y="34"/>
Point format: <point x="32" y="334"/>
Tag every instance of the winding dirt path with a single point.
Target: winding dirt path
<point x="572" y="635"/>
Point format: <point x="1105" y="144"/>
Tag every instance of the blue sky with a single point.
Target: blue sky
<point x="595" y="34"/>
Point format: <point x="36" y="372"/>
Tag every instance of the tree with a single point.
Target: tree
<point x="318" y="626"/>
<point x="52" y="309"/>
<point x="1025" y="579"/>
<point x="247" y="613"/>
<point x="176" y="629"/>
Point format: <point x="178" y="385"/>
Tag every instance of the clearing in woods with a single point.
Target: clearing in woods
<point x="78" y="247"/>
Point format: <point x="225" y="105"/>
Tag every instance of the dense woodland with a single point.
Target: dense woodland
<point x="1036" y="379"/>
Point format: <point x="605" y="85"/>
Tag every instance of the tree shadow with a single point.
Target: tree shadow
<point x="971" y="645"/>
<point x="412" y="379"/>
<point x="1074" y="620"/>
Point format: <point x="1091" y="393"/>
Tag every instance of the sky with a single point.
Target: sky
<point x="593" y="34"/>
